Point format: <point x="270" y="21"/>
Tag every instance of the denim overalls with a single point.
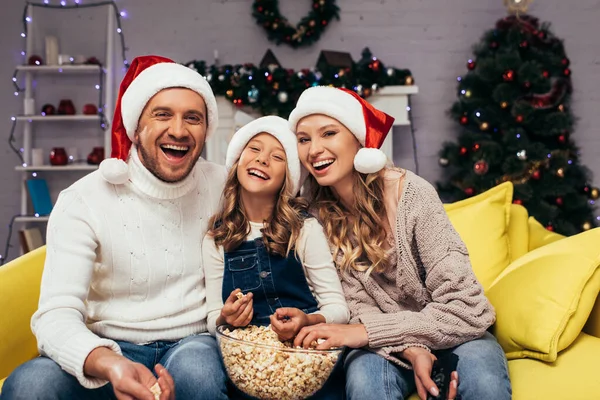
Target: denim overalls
<point x="275" y="281"/>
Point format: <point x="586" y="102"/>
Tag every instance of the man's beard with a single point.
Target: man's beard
<point x="152" y="165"/>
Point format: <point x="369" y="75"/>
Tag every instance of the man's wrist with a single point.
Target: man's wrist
<point x="314" y="319"/>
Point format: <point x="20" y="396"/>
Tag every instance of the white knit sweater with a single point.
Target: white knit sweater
<point x="124" y="262"/>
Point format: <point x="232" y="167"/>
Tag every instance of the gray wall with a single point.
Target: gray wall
<point x="433" y="38"/>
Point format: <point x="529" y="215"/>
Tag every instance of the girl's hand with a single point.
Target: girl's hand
<point x="335" y="335"/>
<point x="287" y="322"/>
<point x="422" y="363"/>
<point x="237" y="310"/>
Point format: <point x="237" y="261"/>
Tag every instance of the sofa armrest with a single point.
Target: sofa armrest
<point x="19" y="295"/>
<point x="592" y="327"/>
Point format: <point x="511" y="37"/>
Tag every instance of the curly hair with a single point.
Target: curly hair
<point x="230" y="227"/>
<point x="356" y="234"/>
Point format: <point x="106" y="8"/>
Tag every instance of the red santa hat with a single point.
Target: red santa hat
<point x="277" y="127"/>
<point x="369" y="125"/>
<point x="146" y="76"/>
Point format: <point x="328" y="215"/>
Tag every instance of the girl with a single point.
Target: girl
<point x="405" y="271"/>
<point x="263" y="243"/>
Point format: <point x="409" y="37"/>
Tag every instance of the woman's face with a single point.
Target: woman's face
<point x="262" y="165"/>
<point x="326" y="148"/>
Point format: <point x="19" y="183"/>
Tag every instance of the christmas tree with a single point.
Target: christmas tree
<point x="516" y="125"/>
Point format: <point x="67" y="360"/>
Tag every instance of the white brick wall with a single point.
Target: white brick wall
<point x="431" y="37"/>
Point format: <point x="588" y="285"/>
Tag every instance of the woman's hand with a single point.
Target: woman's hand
<point x="422" y="363"/>
<point x="286" y="322"/>
<point x="236" y="311"/>
<point x="335" y="335"/>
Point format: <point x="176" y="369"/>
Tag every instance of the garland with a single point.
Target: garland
<point x="274" y="90"/>
<point x="309" y="29"/>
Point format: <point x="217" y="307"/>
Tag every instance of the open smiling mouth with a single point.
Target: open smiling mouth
<point x="174" y="151"/>
<point x="258" y="174"/>
<point x="321" y="165"/>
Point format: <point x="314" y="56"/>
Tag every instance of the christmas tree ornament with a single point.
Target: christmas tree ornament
<point x="463" y="151"/>
<point x="522" y="155"/>
<point x="536" y="174"/>
<point x="300" y="74"/>
<point x="519" y="119"/>
<point x="586" y="226"/>
<point x="524" y="44"/>
<point x="443" y="162"/>
<point x="559" y="201"/>
<point x="560" y="172"/>
<point x="508" y="76"/>
<point x="253" y="95"/>
<point x="517" y="6"/>
<point x="481" y="167"/>
<point x="468" y="93"/>
<point x="221" y="78"/>
<point x="504" y="104"/>
<point x="476" y="147"/>
<point x="567" y="72"/>
<point x="587" y="188"/>
<point x="545" y="74"/>
<point x="469" y="191"/>
<point x="594" y="193"/>
<point x="471" y="65"/>
<point x="464" y="120"/>
<point x="282" y="97"/>
<point x="561" y="108"/>
<point x="374" y="87"/>
<point x="229" y="93"/>
<point x="209" y="77"/>
<point x="484" y="126"/>
<point x="562" y="139"/>
<point x="494" y="45"/>
<point x="527" y="85"/>
<point x="550" y="228"/>
<point x="518" y="201"/>
<point x="409" y="80"/>
<point x="565" y="62"/>
<point x="390" y="72"/>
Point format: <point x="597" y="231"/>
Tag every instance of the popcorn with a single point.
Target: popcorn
<point x="155" y="389"/>
<point x="275" y="372"/>
<point x="240" y="295"/>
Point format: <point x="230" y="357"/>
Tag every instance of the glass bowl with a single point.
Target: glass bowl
<point x="273" y="371"/>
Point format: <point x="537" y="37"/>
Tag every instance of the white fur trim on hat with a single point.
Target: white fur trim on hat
<point x="334" y="103"/>
<point x="276" y="126"/>
<point x="369" y="161"/>
<point x="114" y="170"/>
<point x="163" y="76"/>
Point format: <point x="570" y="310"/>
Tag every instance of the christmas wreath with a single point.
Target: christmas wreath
<point x="309" y="29"/>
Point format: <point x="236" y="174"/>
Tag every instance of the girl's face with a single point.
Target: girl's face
<point x="326" y="148"/>
<point x="262" y="165"/>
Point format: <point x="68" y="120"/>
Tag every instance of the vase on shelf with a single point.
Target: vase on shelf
<point x="66" y="107"/>
<point x="58" y="156"/>
<point x="96" y="156"/>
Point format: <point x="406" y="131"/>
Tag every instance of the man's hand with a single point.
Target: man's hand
<point x="335" y="335"/>
<point x="422" y="363"/>
<point x="130" y="380"/>
<point x="237" y="310"/>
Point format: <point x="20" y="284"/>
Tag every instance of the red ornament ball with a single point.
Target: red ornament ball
<point x="550" y="227"/>
<point x="524" y="44"/>
<point x="471" y="65"/>
<point x="518" y="201"/>
<point x="527" y="84"/>
<point x="481" y="167"/>
<point x="567" y="72"/>
<point x="494" y="45"/>
<point x="545" y="74"/>
<point x="464" y="120"/>
<point x="519" y="118"/>
<point x="559" y="201"/>
<point x="469" y="191"/>
<point x="542" y="35"/>
<point x="536" y="175"/>
<point x="476" y="147"/>
<point x="565" y="61"/>
<point x="562" y="139"/>
<point x="463" y="151"/>
<point x="509" y="76"/>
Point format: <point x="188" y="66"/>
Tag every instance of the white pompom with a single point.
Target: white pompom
<point x="114" y="171"/>
<point x="368" y="161"/>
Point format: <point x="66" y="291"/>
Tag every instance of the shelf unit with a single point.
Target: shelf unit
<point x="106" y="76"/>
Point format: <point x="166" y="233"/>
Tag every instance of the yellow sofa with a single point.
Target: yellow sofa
<point x="572" y="376"/>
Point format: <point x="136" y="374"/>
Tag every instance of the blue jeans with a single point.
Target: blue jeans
<point x="482" y="374"/>
<point x="193" y="362"/>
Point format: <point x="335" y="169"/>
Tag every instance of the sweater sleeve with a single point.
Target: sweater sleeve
<point x="321" y="275"/>
<point x="213" y="261"/>
<point x="458" y="310"/>
<point x="59" y="322"/>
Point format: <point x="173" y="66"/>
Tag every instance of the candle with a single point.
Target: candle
<point x="216" y="54"/>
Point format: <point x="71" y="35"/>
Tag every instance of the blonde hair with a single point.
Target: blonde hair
<point x="230" y="226"/>
<point x="357" y="234"/>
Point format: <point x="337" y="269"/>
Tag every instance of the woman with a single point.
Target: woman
<point x="405" y="271"/>
<point x="266" y="260"/>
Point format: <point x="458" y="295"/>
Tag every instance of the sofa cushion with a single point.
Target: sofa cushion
<point x="482" y="223"/>
<point x="573" y="376"/>
<point x="518" y="232"/>
<point x="544" y="298"/>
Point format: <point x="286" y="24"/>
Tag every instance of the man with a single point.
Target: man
<point x="123" y="286"/>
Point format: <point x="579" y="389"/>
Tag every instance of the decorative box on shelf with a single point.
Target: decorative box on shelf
<point x="394" y="100"/>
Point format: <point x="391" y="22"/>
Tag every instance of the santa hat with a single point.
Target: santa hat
<point x="369" y="125"/>
<point x="275" y="126"/>
<point x="146" y="76"/>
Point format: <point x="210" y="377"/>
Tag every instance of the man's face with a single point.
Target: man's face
<point x="171" y="133"/>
